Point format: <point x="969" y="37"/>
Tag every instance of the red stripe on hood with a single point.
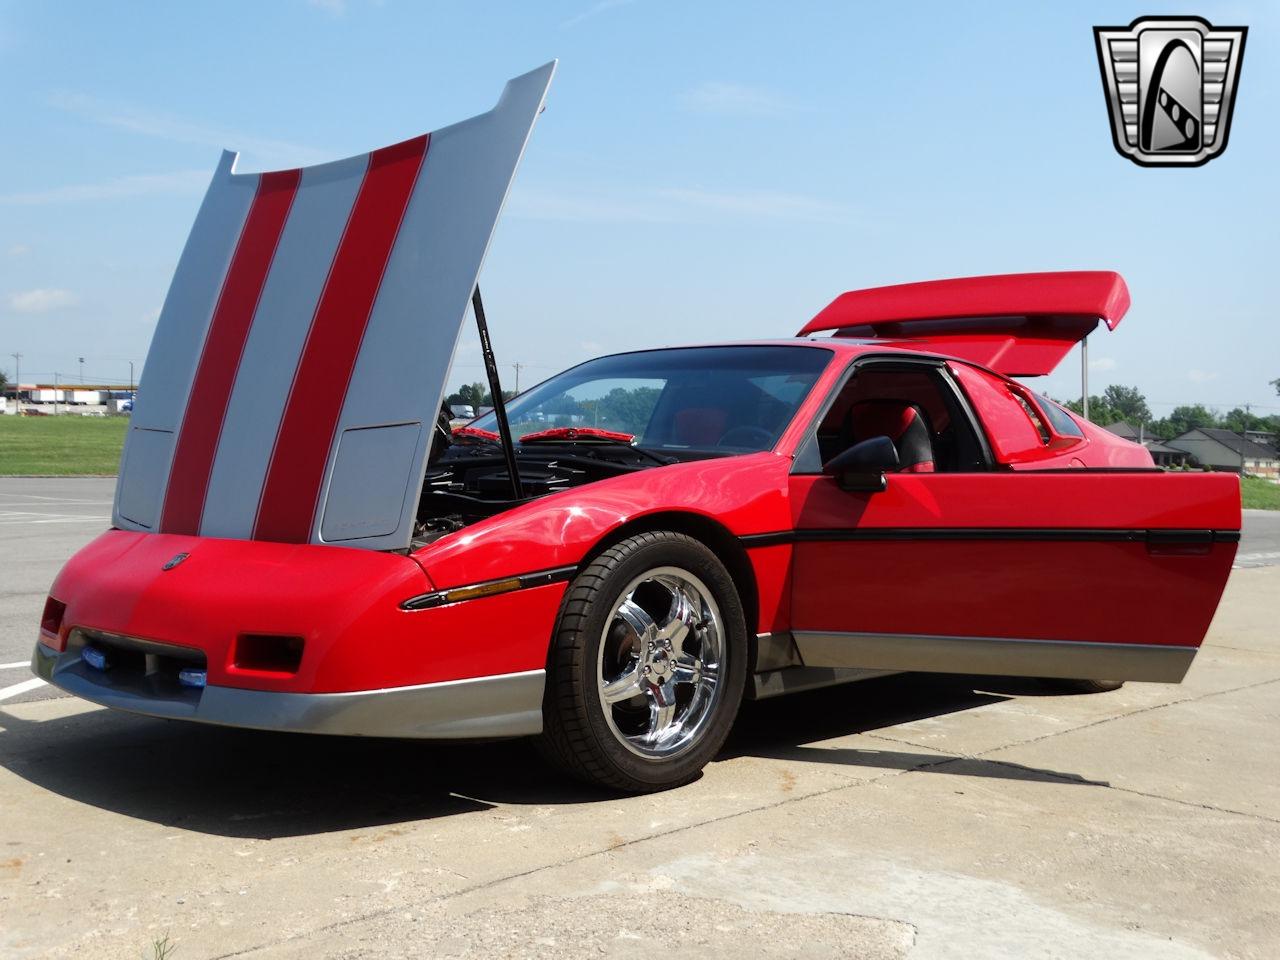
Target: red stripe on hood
<point x="223" y="346"/>
<point x="292" y="488"/>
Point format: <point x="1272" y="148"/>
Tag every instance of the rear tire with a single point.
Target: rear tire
<point x="1083" y="686"/>
<point x="647" y="666"/>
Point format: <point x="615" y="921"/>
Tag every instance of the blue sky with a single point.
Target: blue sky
<point x="703" y="171"/>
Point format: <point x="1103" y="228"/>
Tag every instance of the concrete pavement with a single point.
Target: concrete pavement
<point x="1260" y="539"/>
<point x="921" y="817"/>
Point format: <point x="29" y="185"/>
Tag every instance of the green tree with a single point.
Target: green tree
<point x="476" y="394"/>
<point x="1189" y="418"/>
<point x="622" y="409"/>
<point x="4" y="381"/>
<point x="1128" y="403"/>
<point x="1239" y="420"/>
<point x="1100" y="410"/>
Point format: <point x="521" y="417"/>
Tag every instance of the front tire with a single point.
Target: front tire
<point x="647" y="666"/>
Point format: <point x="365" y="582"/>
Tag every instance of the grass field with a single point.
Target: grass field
<point x="69" y="445"/>
<point x="1258" y="494"/>
<point x="61" y="446"/>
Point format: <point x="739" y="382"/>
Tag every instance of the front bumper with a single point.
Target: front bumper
<point x="506" y="705"/>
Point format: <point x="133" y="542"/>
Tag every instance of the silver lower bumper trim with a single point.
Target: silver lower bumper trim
<point x="508" y="705"/>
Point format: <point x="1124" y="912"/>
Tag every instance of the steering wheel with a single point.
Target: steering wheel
<point x="746" y="436"/>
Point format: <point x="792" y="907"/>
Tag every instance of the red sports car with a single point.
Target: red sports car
<point x="612" y="560"/>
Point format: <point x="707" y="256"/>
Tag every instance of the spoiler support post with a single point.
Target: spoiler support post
<point x="1084" y="376"/>
<point x="495" y="388"/>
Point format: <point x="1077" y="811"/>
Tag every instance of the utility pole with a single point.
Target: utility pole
<point x="1244" y="435"/>
<point x="17" y="376"/>
<point x="56" y="376"/>
<point x="130" y="379"/>
<point x="82" y="369"/>
<point x="517" y="366"/>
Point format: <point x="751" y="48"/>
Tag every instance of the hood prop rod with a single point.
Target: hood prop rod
<point x="495" y="389"/>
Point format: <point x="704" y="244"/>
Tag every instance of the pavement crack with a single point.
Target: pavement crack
<point x="589" y="855"/>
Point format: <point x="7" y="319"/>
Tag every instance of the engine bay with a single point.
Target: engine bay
<point x="470" y="482"/>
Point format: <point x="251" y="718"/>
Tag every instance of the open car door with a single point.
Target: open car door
<point x="301" y="355"/>
<point x="1080" y="573"/>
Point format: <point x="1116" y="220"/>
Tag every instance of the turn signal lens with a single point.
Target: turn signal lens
<point x="51" y="624"/>
<point x="95" y="658"/>
<point x="483" y="590"/>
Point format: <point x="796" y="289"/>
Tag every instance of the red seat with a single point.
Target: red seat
<point x="901" y="422"/>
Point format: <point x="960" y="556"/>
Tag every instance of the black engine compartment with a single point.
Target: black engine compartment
<point x="469" y="482"/>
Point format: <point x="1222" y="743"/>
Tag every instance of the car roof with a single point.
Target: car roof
<point x="843" y="346"/>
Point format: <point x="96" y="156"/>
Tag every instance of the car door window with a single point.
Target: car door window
<point x="915" y="404"/>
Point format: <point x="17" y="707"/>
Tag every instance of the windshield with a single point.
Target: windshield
<point x="726" y="399"/>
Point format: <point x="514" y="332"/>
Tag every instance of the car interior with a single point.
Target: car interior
<point x="911" y="404"/>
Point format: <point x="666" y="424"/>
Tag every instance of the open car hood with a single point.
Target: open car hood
<point x="300" y="358"/>
<point x="1020" y="325"/>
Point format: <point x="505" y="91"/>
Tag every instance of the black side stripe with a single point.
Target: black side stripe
<point x="1040" y="534"/>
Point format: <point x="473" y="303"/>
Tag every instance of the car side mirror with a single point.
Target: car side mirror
<point x="862" y="467"/>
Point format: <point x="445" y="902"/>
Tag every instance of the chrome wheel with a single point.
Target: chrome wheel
<point x="661" y="658"/>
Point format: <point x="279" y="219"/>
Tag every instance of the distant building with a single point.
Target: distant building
<point x="1263" y="438"/>
<point x="1163" y="454"/>
<point x="1225" y="450"/>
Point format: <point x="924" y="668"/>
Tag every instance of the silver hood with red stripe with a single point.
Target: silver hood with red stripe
<point x="301" y="355"/>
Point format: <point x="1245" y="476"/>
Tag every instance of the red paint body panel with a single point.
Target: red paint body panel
<point x="344" y="603"/>
<point x="1016" y="324"/>
<point x="746" y="494"/>
<point x="1043" y="588"/>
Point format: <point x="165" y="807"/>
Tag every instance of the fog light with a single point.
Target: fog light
<point x="191" y="677"/>
<point x="95" y="658"/>
<point x="267" y="653"/>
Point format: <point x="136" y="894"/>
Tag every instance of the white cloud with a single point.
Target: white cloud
<point x="1102" y="363"/>
<point x="41" y="300"/>
<point x="1201" y="376"/>
<point x="181" y="182"/>
<point x="593" y="10"/>
<point x="17" y="250"/>
<point x="175" y="129"/>
<point x="737" y="100"/>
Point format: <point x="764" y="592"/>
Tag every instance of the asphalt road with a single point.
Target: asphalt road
<point x="43" y="521"/>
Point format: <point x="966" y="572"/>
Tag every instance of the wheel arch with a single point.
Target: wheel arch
<point x="707" y="531"/>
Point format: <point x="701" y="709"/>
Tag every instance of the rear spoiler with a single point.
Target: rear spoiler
<point x="1020" y="324"/>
